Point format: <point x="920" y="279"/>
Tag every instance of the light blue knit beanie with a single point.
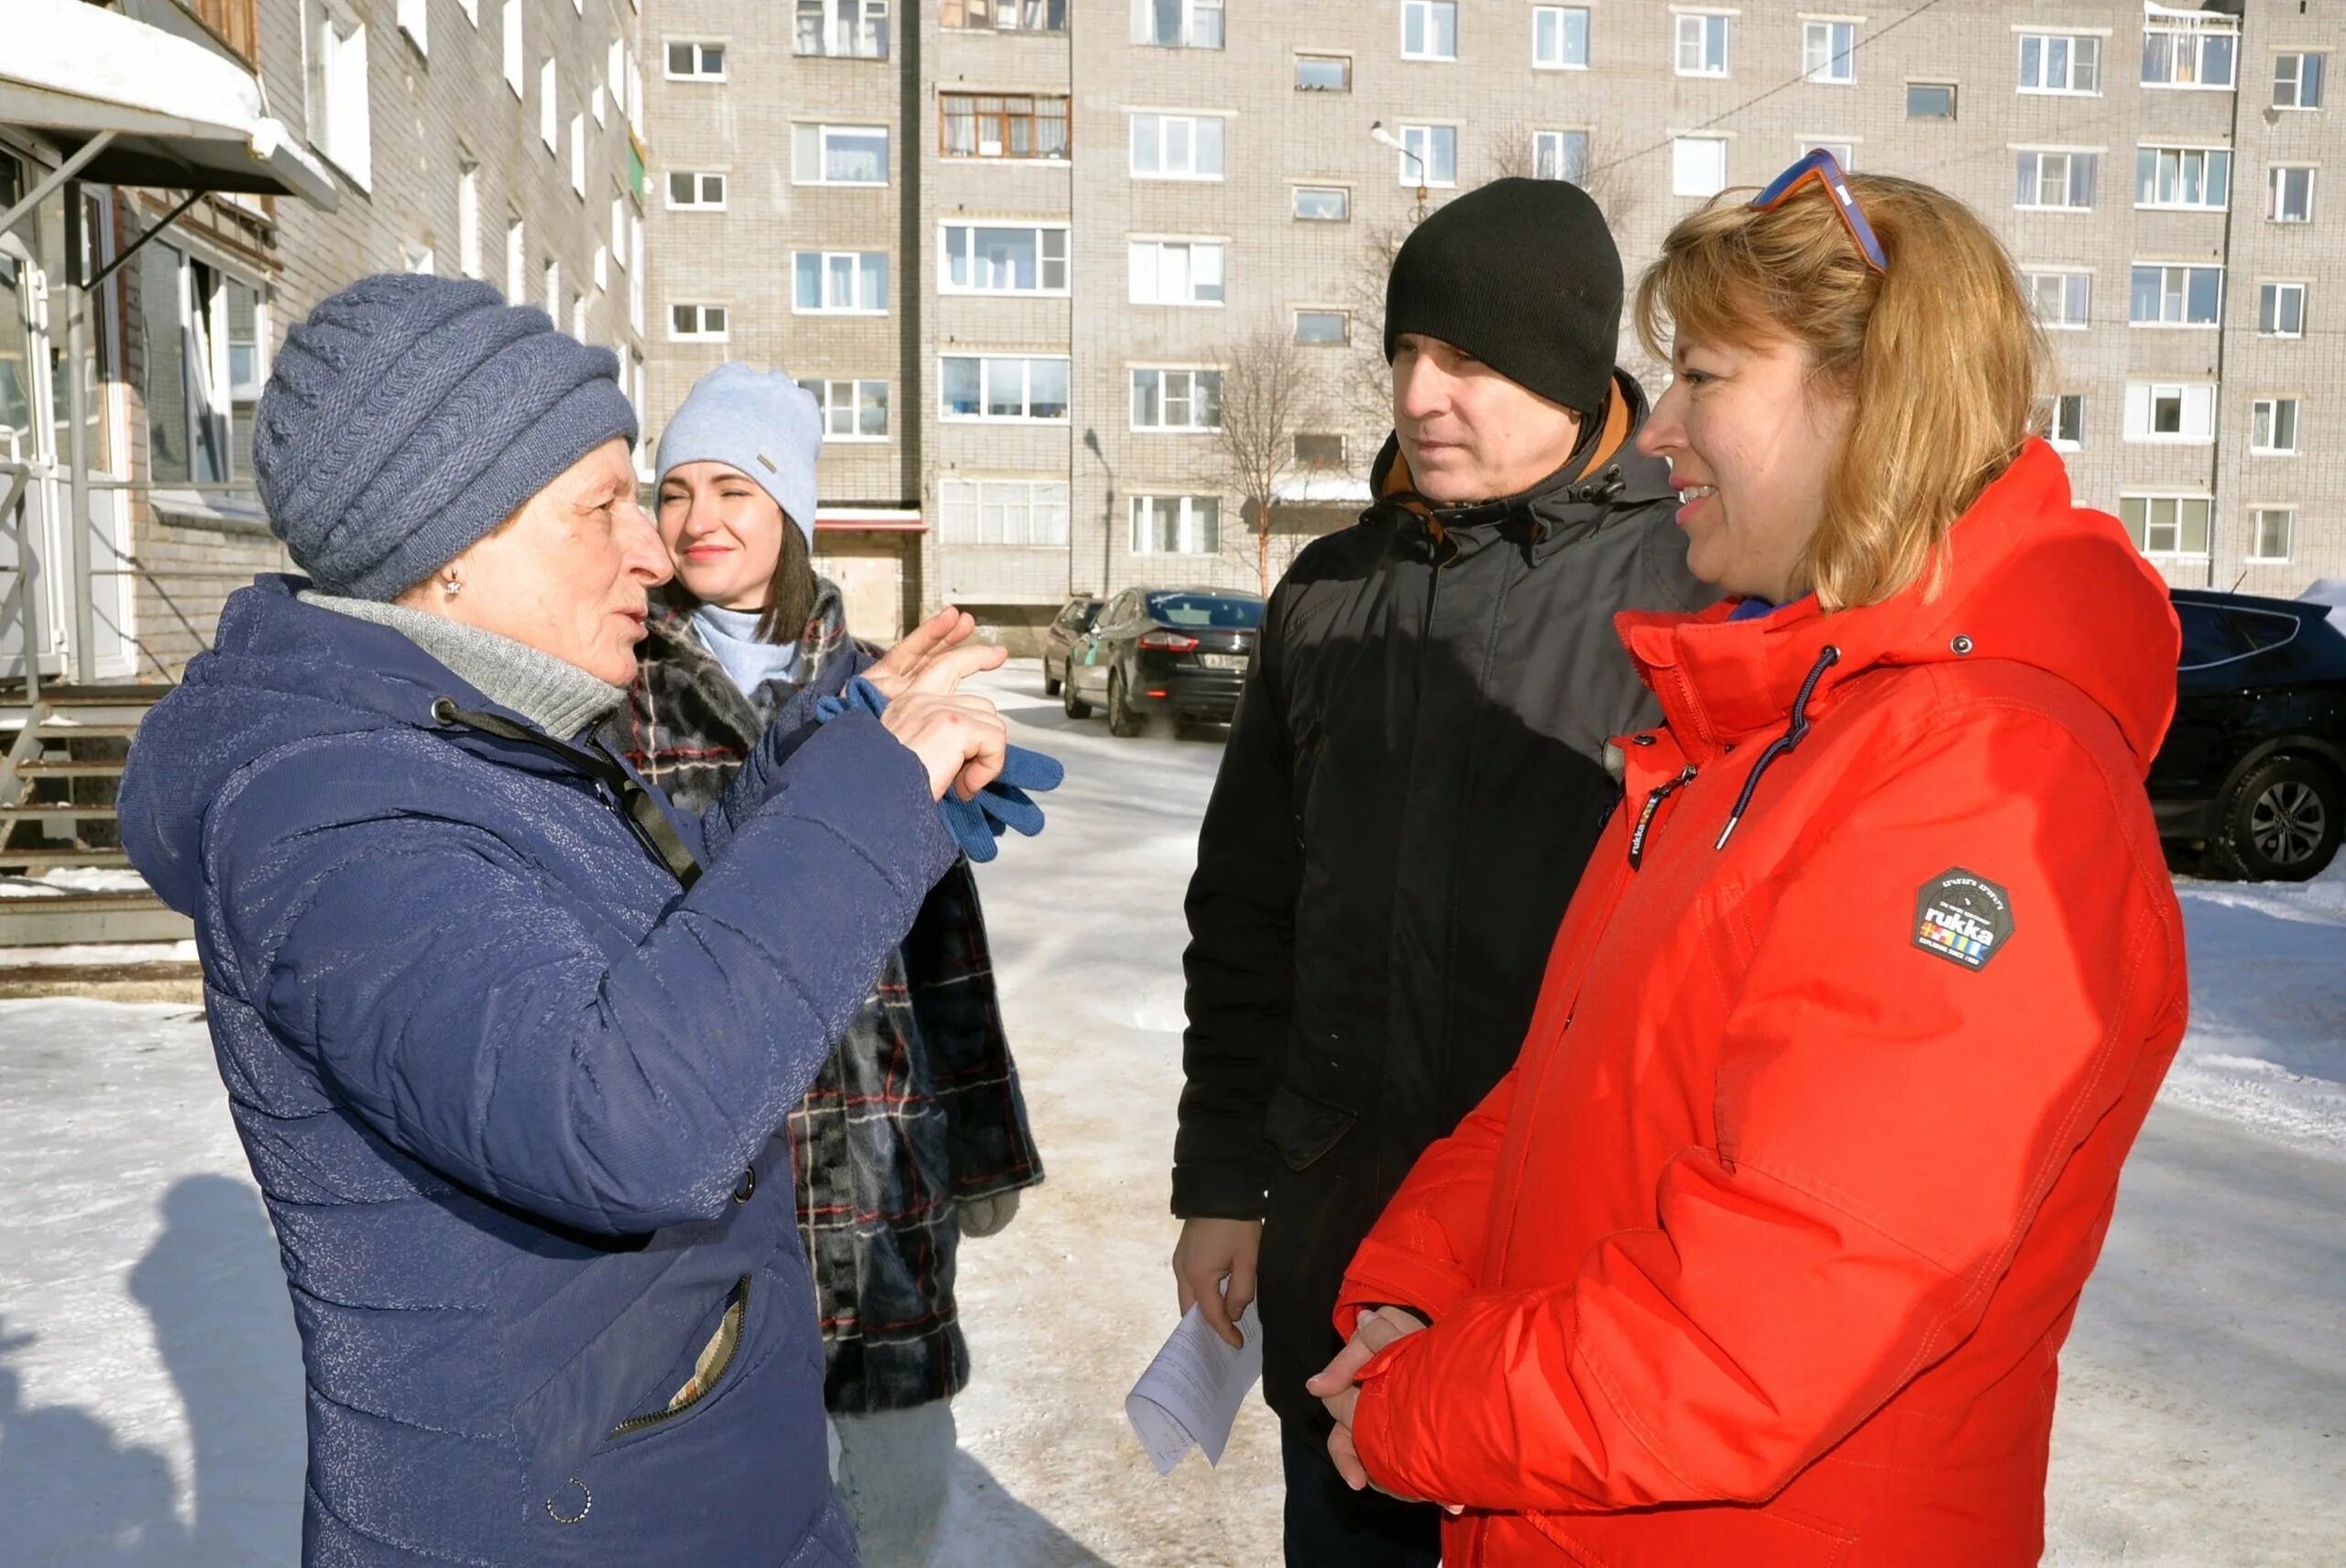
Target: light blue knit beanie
<point x="409" y="416"/>
<point x="760" y="422"/>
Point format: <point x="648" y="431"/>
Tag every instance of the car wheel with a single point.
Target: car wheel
<point x="1076" y="707"/>
<point x="2283" y="820"/>
<point x="1121" y="720"/>
<point x="1051" y="680"/>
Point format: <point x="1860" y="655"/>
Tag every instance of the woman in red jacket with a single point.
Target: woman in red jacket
<point x="1764" y="1252"/>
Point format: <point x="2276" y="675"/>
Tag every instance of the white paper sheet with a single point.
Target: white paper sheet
<point x="1190" y="1394"/>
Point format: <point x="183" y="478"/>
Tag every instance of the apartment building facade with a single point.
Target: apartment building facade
<point x="1020" y="243"/>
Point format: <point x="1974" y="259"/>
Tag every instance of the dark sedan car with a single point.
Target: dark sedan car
<point x="1182" y="651"/>
<point x="2252" y="776"/>
<point x="1073" y="620"/>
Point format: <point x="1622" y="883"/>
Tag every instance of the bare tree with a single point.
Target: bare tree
<point x="1603" y="172"/>
<point x="1267" y="401"/>
<point x="1366" y="395"/>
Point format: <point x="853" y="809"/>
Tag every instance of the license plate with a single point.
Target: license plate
<point x="1224" y="661"/>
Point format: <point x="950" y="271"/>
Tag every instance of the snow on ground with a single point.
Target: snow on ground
<point x="150" y="1388"/>
<point x="72" y="879"/>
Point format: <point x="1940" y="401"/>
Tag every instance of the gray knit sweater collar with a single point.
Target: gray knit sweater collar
<point x="558" y="697"/>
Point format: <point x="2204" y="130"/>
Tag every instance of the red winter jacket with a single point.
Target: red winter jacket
<point x="1763" y="1253"/>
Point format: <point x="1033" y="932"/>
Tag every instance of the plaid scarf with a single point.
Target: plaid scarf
<point x="919" y="1107"/>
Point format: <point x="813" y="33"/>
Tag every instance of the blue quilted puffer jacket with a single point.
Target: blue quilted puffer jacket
<point x="510" y="1091"/>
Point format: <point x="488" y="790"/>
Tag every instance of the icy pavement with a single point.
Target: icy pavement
<point x="150" y="1387"/>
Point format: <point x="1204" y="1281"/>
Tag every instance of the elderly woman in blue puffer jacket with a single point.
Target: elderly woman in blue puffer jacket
<point x="506" y="1038"/>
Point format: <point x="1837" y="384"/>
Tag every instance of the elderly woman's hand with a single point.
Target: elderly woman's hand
<point x="959" y="739"/>
<point x="935" y="658"/>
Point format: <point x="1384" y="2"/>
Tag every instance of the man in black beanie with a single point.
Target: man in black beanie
<point x="1415" y="778"/>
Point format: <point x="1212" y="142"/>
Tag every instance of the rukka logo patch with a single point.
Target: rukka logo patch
<point x="1962" y="918"/>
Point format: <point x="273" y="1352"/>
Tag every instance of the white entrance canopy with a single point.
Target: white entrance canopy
<point x="161" y="110"/>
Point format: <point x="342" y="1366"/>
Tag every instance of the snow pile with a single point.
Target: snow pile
<point x="73" y="879"/>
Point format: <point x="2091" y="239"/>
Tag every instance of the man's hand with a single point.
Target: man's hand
<point x="1335" y="1388"/>
<point x="935" y="658"/>
<point x="1212" y="1251"/>
<point x="959" y="739"/>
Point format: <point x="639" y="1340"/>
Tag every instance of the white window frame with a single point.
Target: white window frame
<point x="2050" y="406"/>
<point x="2276" y="176"/>
<point x="2070" y="280"/>
<point x="824" y="131"/>
<point x="578" y="155"/>
<point x="1295" y="199"/>
<point x="1679" y="185"/>
<point x="962" y="503"/>
<point x="1821" y="71"/>
<point x="602" y="267"/>
<point x="1548" y="146"/>
<point x="1954" y="91"/>
<point x="1193" y="398"/>
<point x="618" y="229"/>
<point x="549" y="106"/>
<point x="827" y="391"/>
<point x="1343" y="317"/>
<point x="1324" y="57"/>
<point x="1193" y="29"/>
<point x="868" y="35"/>
<point x="2199" y="27"/>
<point x="1043" y="261"/>
<point x="1559" y="18"/>
<point x="635" y="280"/>
<point x="1193" y="517"/>
<point x="701" y="333"/>
<point x="2182" y="155"/>
<point x="1843" y="148"/>
<point x="2296" y="82"/>
<point x="341" y="113"/>
<point x="2264" y="423"/>
<point x="1150" y="257"/>
<point x="415" y="21"/>
<point x="517" y="259"/>
<point x="209" y="391"/>
<point x="859" y="263"/>
<point x="2185" y="324"/>
<point x="700" y="202"/>
<point x="1703" y="34"/>
<point x="2045" y="39"/>
<point x="2034" y="157"/>
<point x="468" y="252"/>
<point x="2195" y="413"/>
<point x="515" y="56"/>
<point x="1417" y="157"/>
<point x="1032" y="16"/>
<point x="2175" y="500"/>
<point x="1193" y="121"/>
<point x="2257" y="552"/>
<point x="2281" y="287"/>
<point x="549" y="276"/>
<point x="1026" y="388"/>
<point x="700" y="47"/>
<point x="1430" y="11"/>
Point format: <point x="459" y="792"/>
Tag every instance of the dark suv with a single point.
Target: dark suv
<point x="2253" y="776"/>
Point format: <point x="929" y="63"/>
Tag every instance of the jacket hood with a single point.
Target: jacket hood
<point x="2030" y="577"/>
<point x="1607" y="473"/>
<point x="280" y="671"/>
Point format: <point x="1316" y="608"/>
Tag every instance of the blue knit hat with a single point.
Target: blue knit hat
<point x="409" y="416"/>
<point x="760" y="422"/>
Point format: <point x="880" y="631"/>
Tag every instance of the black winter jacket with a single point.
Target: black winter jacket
<point x="1412" y="786"/>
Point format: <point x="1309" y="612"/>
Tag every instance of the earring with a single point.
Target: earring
<point x="451" y="587"/>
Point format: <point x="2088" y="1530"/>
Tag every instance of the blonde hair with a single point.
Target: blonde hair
<point x="1940" y="356"/>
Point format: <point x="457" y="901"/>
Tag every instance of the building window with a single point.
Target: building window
<point x="692" y="61"/>
<point x="512" y="37"/>
<point x="1697" y="165"/>
<point x="416" y="256"/>
<point x="2166" y="525"/>
<point x="516" y="261"/>
<point x="1178" y="24"/>
<point x="995" y="260"/>
<point x="602" y="266"/>
<point x="856" y="30"/>
<point x="551" y="279"/>
<point x="619" y="230"/>
<point x="2064" y="300"/>
<point x="2297" y="81"/>
<point x="1429" y="30"/>
<point x="1176" y="272"/>
<point x="1428" y="155"/>
<point x="695" y="190"/>
<point x="1930" y="100"/>
<point x="1002" y="511"/>
<point x="341" y="123"/>
<point x="1701" y="43"/>
<point x="2060" y="62"/>
<point x="578" y="154"/>
<point x="2288" y="194"/>
<point x="974" y="124"/>
<point x="2174" y="411"/>
<point x="852" y="411"/>
<point x="2200" y="177"/>
<point x="414" y="21"/>
<point x="1176" y="399"/>
<point x="1845" y="153"/>
<point x="469" y="219"/>
<point x="2061" y="181"/>
<point x="2272" y="531"/>
<point x="1323" y="203"/>
<point x="2272" y="428"/>
<point x="1319" y="329"/>
<point x="2167" y="294"/>
<point x="838" y="155"/>
<point x="1319" y="450"/>
<point x="2281" y="310"/>
<point x="549" y="115"/>
<point x="1176" y="526"/>
<point x="1560" y="155"/>
<point x="204" y="336"/>
<point x="697" y="323"/>
<point x="1177" y="146"/>
<point x="1826" y="51"/>
<point x="2061" y="420"/>
<point x="1560" y="38"/>
<point x="1006" y="16"/>
<point x="2190" y="51"/>
<point x="1323" y="73"/>
<point x="635" y="271"/>
<point x="579" y="317"/>
<point x="842" y="283"/>
<point x="1005" y="388"/>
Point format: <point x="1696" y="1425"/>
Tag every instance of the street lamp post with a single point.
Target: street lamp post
<point x="1107" y="510"/>
<point x="1378" y="134"/>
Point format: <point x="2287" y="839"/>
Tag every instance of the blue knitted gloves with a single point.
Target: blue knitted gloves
<point x="1004" y="803"/>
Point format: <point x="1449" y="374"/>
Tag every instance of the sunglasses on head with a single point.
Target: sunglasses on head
<point x="1825" y="170"/>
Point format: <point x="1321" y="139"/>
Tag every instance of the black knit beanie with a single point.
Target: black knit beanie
<point x="1522" y="274"/>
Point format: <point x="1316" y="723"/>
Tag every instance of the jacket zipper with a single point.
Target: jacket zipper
<point x="715" y="1359"/>
<point x="1654" y="798"/>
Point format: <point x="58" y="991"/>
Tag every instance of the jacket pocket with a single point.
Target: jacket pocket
<point x="716" y="1358"/>
<point x="1302" y="1130"/>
